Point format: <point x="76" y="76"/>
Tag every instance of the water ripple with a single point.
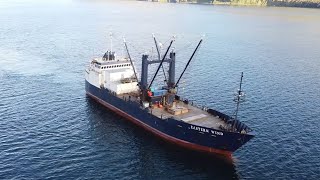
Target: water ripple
<point x="50" y="129"/>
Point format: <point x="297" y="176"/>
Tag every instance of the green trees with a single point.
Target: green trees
<point x="287" y="3"/>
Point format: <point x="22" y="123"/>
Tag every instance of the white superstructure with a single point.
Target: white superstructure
<point x="110" y="72"/>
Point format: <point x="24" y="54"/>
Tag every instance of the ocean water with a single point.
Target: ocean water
<point x="50" y="129"/>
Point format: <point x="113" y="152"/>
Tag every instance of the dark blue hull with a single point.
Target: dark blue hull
<point x="193" y="137"/>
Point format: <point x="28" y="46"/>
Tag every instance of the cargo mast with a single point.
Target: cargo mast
<point x="159" y="57"/>
<point x="134" y="70"/>
<point x="163" y="58"/>
<point x="239" y="97"/>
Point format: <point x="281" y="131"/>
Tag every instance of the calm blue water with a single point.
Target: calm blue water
<point x="50" y="129"/>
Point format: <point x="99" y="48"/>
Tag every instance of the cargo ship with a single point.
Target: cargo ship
<point x="113" y="81"/>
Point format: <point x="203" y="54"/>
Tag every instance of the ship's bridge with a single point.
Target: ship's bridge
<point x="110" y="72"/>
<point x="100" y="64"/>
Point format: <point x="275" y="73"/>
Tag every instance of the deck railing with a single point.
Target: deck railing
<point x="232" y="125"/>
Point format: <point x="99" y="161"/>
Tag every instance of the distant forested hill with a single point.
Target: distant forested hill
<point x="287" y="3"/>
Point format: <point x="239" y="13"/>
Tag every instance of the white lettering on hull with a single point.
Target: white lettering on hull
<point x="205" y="130"/>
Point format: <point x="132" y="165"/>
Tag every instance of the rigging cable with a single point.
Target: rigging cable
<point x="159" y="57"/>
<point x="160" y="63"/>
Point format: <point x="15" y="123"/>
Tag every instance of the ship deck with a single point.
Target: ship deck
<point x="195" y="116"/>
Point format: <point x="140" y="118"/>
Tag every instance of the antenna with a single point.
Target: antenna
<point x="110" y="34"/>
<point x="125" y="44"/>
<point x="188" y="62"/>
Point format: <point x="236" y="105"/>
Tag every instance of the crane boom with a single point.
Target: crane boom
<point x="188" y="63"/>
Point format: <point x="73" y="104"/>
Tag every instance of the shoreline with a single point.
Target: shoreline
<point x="262" y="3"/>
